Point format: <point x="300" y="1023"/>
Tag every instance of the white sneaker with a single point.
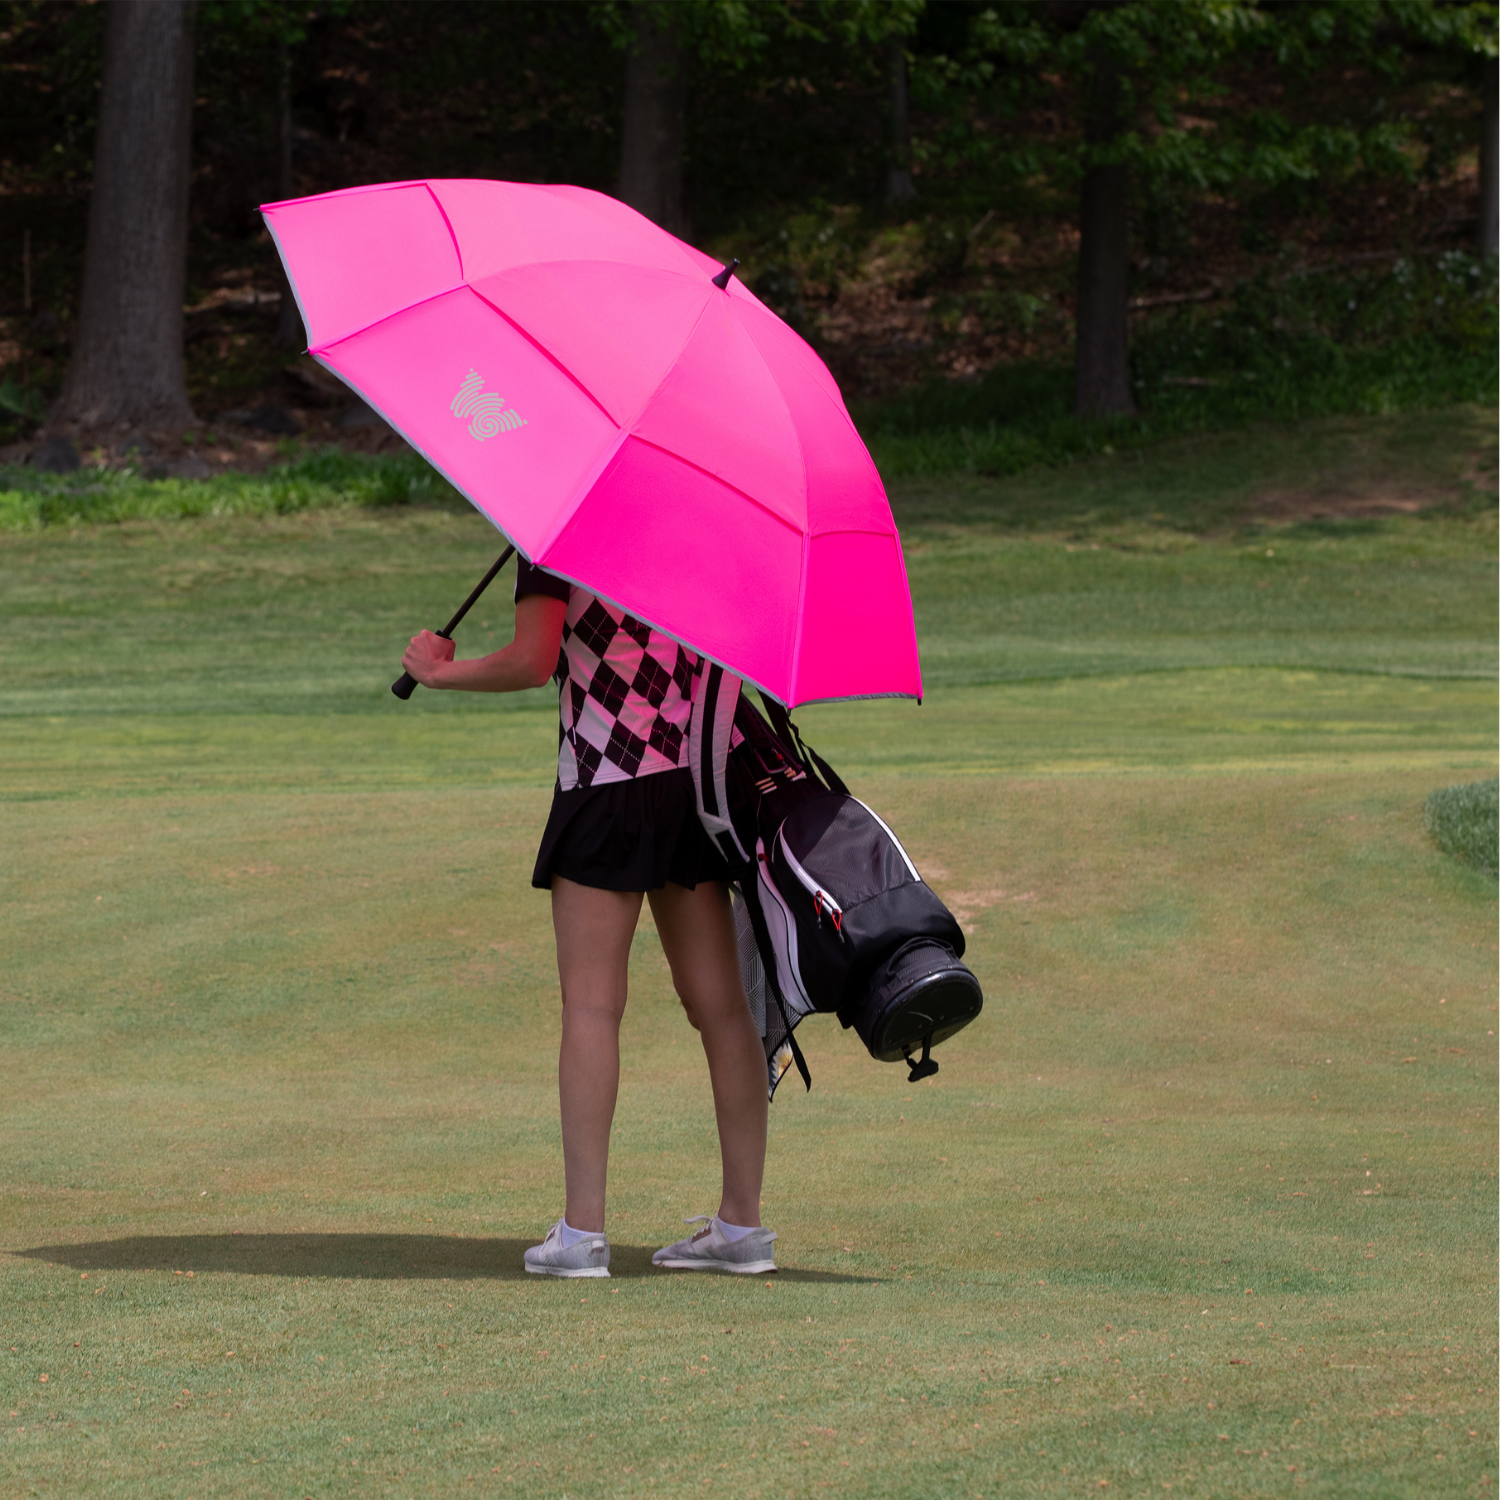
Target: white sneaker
<point x="585" y="1257"/>
<point x="710" y="1250"/>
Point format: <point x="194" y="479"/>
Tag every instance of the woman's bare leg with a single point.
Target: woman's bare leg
<point x="697" y="934"/>
<point x="593" y="929"/>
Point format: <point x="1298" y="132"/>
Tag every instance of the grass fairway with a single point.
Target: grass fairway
<point x="1203" y="1205"/>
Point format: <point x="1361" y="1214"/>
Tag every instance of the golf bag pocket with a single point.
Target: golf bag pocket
<point x="786" y="941"/>
<point x="856" y="930"/>
<point x="852" y="894"/>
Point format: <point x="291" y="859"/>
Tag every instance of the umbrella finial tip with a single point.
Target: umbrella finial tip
<point x="722" y="279"/>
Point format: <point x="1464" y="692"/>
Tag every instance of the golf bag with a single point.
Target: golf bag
<point x="830" y="912"/>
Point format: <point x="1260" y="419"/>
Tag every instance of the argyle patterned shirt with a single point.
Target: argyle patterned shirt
<point x="624" y="690"/>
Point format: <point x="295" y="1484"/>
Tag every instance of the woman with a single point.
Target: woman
<point x="624" y="824"/>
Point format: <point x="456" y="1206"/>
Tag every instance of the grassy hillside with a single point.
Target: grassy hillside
<point x="1203" y="1204"/>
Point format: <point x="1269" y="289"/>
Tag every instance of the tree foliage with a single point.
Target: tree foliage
<point x="1188" y="66"/>
<point x="1243" y="123"/>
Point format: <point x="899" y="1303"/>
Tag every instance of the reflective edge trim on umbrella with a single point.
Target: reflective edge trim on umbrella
<point x="686" y="645"/>
<point x="419" y="449"/>
<point x="286" y="268"/>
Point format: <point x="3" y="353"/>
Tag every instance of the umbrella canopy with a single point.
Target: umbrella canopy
<point x="660" y="440"/>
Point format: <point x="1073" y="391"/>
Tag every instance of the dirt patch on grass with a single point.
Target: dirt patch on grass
<point x="1288" y="506"/>
<point x="1369" y="470"/>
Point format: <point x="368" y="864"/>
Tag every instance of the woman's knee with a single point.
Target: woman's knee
<point x="594" y="999"/>
<point x="713" y="1000"/>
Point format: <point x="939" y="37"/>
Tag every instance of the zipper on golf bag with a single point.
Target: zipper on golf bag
<point x="821" y="900"/>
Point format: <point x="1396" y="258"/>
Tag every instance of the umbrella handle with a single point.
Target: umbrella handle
<point x="405" y="685"/>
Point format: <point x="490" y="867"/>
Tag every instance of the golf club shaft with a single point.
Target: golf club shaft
<point x="405" y="685"/>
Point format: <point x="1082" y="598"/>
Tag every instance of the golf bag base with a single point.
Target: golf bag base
<point x="920" y="995"/>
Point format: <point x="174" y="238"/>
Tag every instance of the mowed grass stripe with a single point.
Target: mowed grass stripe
<point x="1162" y="723"/>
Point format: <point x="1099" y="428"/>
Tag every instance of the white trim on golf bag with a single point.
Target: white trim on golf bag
<point x="781" y="928"/>
<point x="716" y="693"/>
<point x="821" y="900"/>
<point x="900" y="847"/>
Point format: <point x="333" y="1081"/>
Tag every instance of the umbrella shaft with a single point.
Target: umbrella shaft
<point x="405" y="685"/>
<point x="447" y="631"/>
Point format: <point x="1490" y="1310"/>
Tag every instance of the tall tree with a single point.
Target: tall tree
<point x="1102" y="357"/>
<point x="899" y="187"/>
<point x="1489" y="166"/>
<point x="664" y="39"/>
<point x="651" y="140"/>
<point x="290" y="333"/>
<point x="127" y="363"/>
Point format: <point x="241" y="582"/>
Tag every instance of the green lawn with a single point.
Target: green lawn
<point x="1203" y="1205"/>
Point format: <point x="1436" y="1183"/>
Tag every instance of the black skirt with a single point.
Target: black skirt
<point x="628" y="836"/>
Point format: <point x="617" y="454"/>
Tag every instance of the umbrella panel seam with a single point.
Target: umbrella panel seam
<point x="452" y="233"/>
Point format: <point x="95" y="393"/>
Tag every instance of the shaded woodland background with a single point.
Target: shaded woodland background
<point x="966" y="205"/>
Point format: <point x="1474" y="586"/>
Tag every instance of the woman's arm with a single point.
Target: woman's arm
<point x="529" y="660"/>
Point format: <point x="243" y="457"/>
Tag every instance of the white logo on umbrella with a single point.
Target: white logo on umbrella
<point x="489" y="412"/>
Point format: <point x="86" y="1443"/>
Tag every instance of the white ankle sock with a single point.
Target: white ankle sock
<point x="733" y="1232"/>
<point x="571" y="1236"/>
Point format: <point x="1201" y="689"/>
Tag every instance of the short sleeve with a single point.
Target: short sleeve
<point x="530" y="579"/>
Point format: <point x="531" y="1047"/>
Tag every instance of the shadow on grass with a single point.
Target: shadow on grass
<point x="376" y="1257"/>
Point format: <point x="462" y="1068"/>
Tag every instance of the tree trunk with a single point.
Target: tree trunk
<point x="899" y="188"/>
<point x="290" y="333"/>
<point x="127" y="352"/>
<point x="1489" y="140"/>
<point x="1103" y="351"/>
<point x="651" y="143"/>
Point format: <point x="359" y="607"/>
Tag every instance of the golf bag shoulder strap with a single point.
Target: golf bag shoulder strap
<point x="716" y="696"/>
<point x="791" y="736"/>
<point x="801" y="1062"/>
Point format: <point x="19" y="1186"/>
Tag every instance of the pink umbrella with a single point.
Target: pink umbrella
<point x="631" y="423"/>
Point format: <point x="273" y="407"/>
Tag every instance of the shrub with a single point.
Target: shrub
<point x="1464" y="821"/>
<point x="307" y="481"/>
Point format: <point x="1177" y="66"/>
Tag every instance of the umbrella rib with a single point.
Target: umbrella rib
<point x="760" y="505"/>
<point x="841" y="411"/>
<point x="437" y="203"/>
<point x="500" y="312"/>
<point x="348" y="192"/>
<point x="395" y="312"/>
<point x="544" y="351"/>
<point x="801" y="616"/>
<point x="626" y="430"/>
<point x="590" y="208"/>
